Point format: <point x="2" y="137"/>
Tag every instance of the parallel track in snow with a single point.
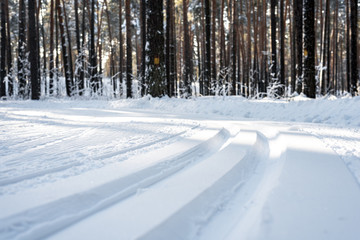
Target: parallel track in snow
<point x="73" y="208"/>
<point x="240" y="173"/>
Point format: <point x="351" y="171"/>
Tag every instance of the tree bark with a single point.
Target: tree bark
<point x="33" y="51"/>
<point x="187" y="53"/>
<point x="309" y="49"/>
<point x="354" y="52"/>
<point x="155" y="50"/>
<point x="3" y="50"/>
<point x="128" y="50"/>
<point x="207" y="67"/>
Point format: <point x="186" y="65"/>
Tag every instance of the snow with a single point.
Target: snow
<point x="202" y="168"/>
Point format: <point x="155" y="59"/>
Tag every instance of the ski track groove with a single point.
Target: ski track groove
<point x="71" y="164"/>
<point x="33" y="223"/>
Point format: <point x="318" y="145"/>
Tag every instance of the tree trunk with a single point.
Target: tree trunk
<point x="33" y="51"/>
<point x="155" y="51"/>
<point x="213" y="43"/>
<point x="121" y="48"/>
<point x="353" y="56"/>
<point x="94" y="81"/>
<point x="143" y="43"/>
<point x="298" y="28"/>
<point x="21" y="63"/>
<point x="309" y="49"/>
<point x="51" y="54"/>
<point x="128" y="50"/>
<point x="9" y="51"/>
<point x="187" y="53"/>
<point x="348" y="60"/>
<point x="273" y="41"/>
<point x="234" y="49"/>
<point x="207" y="67"/>
<point x="282" y="49"/>
<point x="3" y="50"/>
<point x="78" y="67"/>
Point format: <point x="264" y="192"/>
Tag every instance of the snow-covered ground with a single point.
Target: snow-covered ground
<point x="205" y="168"/>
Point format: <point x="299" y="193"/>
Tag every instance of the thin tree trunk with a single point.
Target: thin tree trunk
<point x="213" y="43"/>
<point x="207" y="67"/>
<point x="354" y="52"/>
<point x="298" y="27"/>
<point x="348" y="69"/>
<point x="93" y="59"/>
<point x="273" y="41"/>
<point x="143" y="45"/>
<point x="69" y="45"/>
<point x="121" y="47"/>
<point x="51" y="51"/>
<point x="78" y="46"/>
<point x="282" y="49"/>
<point x="3" y="50"/>
<point x="33" y="51"/>
<point x="22" y="49"/>
<point x="187" y="52"/>
<point x="234" y="49"/>
<point x="9" y="50"/>
<point x="128" y="50"/>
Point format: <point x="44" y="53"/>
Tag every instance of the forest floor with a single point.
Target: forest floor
<point x="205" y="168"/>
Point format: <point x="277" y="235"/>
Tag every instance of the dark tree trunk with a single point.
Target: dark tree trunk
<point x="207" y="67"/>
<point x="78" y="46"/>
<point x="9" y="51"/>
<point x="348" y="69"/>
<point x="222" y="38"/>
<point x="309" y="49"/>
<point x="33" y="51"/>
<point x="21" y="63"/>
<point x="187" y="53"/>
<point x="234" y="49"/>
<point x="121" y="47"/>
<point x="51" y="54"/>
<point x="273" y="41"/>
<point x="282" y="49"/>
<point x="213" y="43"/>
<point x="128" y="50"/>
<point x="298" y="28"/>
<point x="68" y="81"/>
<point x="155" y="51"/>
<point x="354" y="65"/>
<point x="70" y="62"/>
<point x="112" y="61"/>
<point x="326" y="50"/>
<point x="143" y="42"/>
<point x="94" y="81"/>
<point x="3" y="50"/>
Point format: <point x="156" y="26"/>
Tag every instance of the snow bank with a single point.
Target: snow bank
<point x="334" y="111"/>
<point x="342" y="112"/>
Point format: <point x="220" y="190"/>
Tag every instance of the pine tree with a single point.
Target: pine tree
<point x="188" y="73"/>
<point x="94" y="81"/>
<point x="298" y="28"/>
<point x="21" y="66"/>
<point x="354" y="56"/>
<point x="309" y="49"/>
<point x="33" y="51"/>
<point x="155" y="51"/>
<point x="207" y="66"/>
<point x="3" y="50"/>
<point x="128" y="50"/>
<point x="273" y="40"/>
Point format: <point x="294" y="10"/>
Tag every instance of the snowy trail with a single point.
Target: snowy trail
<point x="78" y="173"/>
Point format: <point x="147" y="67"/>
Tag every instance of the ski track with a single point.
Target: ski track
<point x="237" y="170"/>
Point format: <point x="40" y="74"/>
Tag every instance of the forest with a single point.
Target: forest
<point x="178" y="48"/>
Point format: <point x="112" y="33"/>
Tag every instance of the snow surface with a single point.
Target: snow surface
<point x="203" y="168"/>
